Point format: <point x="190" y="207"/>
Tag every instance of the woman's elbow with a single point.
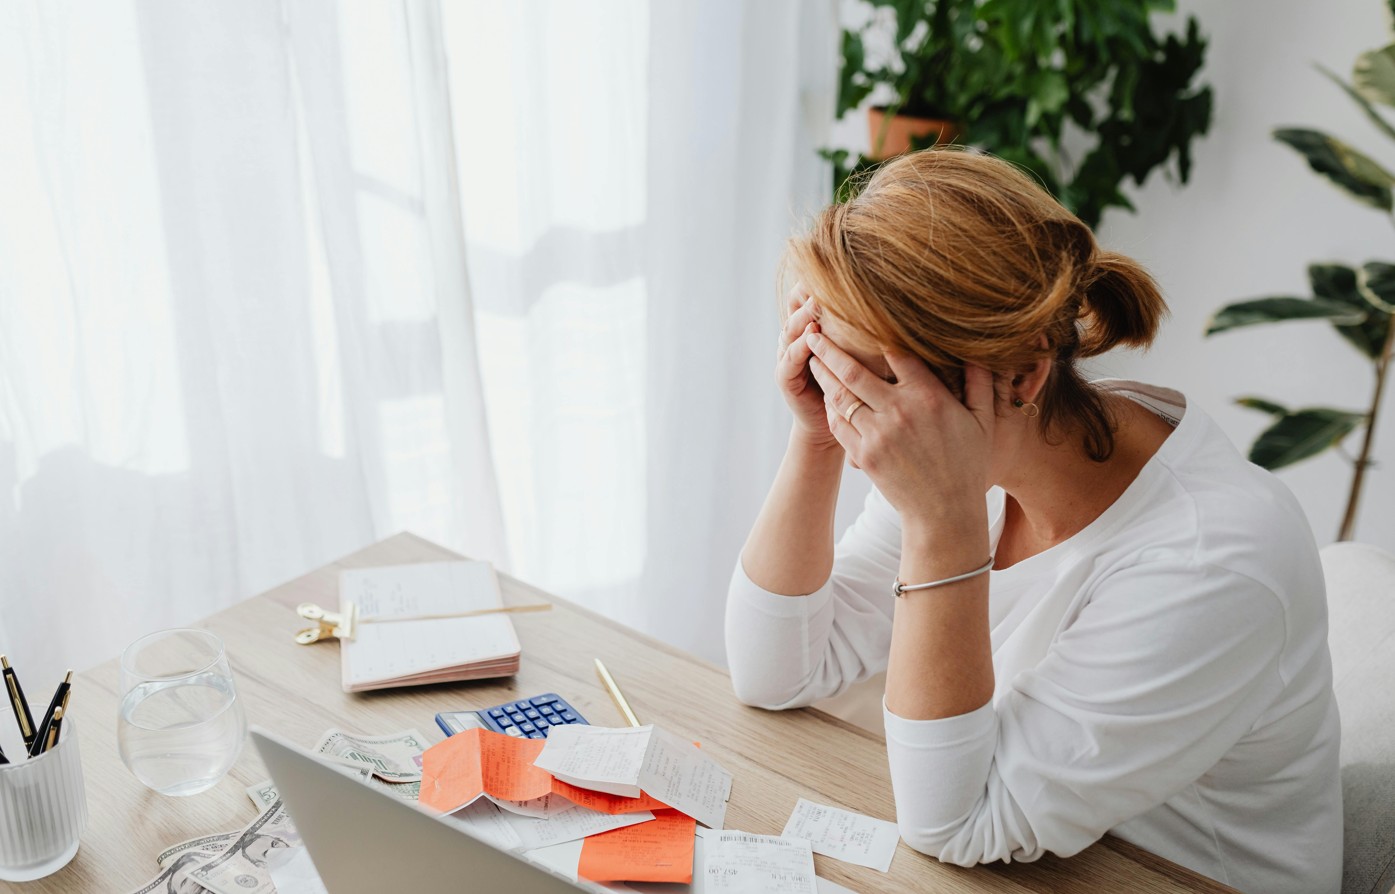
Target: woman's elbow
<point x="760" y="691"/>
<point x="935" y="844"/>
<point x="969" y="841"/>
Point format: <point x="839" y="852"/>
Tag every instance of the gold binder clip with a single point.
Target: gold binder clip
<point x="329" y="625"/>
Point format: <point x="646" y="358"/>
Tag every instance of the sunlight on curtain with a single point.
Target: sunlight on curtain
<point x="234" y="324"/>
<point x="552" y="179"/>
<point x="81" y="368"/>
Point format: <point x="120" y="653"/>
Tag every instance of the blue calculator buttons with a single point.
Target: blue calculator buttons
<point x="532" y="717"/>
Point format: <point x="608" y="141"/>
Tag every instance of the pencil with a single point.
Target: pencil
<point x="616" y="694"/>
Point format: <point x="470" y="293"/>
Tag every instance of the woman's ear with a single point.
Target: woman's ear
<point x="1029" y="381"/>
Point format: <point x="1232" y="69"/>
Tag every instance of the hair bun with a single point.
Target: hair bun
<point x="1122" y="305"/>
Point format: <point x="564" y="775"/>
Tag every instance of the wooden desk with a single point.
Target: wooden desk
<point x="775" y="758"/>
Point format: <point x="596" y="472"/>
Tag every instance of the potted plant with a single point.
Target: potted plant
<point x="1358" y="301"/>
<point x="1009" y="76"/>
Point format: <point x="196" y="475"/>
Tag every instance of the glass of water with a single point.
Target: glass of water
<point x="181" y="726"/>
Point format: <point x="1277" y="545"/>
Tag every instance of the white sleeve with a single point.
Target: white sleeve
<point x="1167" y="666"/>
<point x="788" y="651"/>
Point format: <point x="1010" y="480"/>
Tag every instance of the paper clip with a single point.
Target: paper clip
<point x="329" y="625"/>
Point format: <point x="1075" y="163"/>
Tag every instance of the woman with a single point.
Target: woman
<point x="1128" y="635"/>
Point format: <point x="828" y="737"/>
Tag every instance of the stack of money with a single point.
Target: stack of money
<point x="236" y="862"/>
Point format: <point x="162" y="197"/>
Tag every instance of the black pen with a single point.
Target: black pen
<point x="59" y="703"/>
<point x="54" y="728"/>
<point x="21" y="707"/>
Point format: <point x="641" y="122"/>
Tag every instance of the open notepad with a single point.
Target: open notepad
<point x="438" y="650"/>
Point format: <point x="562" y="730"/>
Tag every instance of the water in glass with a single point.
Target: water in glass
<point x="181" y="726"/>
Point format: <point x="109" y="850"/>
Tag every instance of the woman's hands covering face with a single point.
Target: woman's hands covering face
<point x="924" y="450"/>
<point x="792" y="374"/>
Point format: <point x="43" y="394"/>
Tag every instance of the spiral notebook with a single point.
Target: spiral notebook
<point x="386" y="653"/>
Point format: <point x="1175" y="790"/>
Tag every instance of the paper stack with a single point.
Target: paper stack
<point x="432" y="649"/>
<point x="611" y="804"/>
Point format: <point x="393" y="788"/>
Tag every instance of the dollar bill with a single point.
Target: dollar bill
<point x="393" y="758"/>
<point x="178" y="861"/>
<point x="209" y="845"/>
<point x="263" y="794"/>
<point x="241" y="867"/>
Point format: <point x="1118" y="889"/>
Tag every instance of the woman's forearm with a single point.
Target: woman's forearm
<point x="790" y="549"/>
<point x="941" y="660"/>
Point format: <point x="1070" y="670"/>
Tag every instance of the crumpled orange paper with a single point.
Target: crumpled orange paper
<point x="480" y="762"/>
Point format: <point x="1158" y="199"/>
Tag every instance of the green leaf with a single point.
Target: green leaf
<point x="1352" y="170"/>
<point x="1374" y="75"/>
<point x="1338" y="283"/>
<point x="1360" y="100"/>
<point x="1376" y="283"/>
<point x="1279" y="309"/>
<point x="1301" y="434"/>
<point x="1264" y="406"/>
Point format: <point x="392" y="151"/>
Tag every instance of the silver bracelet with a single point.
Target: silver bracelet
<point x="899" y="589"/>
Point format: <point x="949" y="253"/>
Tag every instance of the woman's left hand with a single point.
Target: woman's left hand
<point x="924" y="450"/>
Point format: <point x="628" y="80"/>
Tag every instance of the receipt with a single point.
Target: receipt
<point x="844" y="835"/>
<point x="743" y="863"/>
<point x="629" y="761"/>
<point x="569" y="825"/>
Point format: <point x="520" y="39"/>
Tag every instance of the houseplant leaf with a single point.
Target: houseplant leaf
<point x="1264" y="406"/>
<point x="1352" y="170"/>
<point x="1338" y="283"/>
<point x="1360" y="100"/>
<point x="1373" y="76"/>
<point x="1376" y="283"/>
<point x="1301" y="434"/>
<point x="1276" y="309"/>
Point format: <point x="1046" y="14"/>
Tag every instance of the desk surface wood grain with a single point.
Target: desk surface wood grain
<point x="775" y="758"/>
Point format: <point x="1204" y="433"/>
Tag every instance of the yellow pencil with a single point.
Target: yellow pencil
<point x="616" y="694"/>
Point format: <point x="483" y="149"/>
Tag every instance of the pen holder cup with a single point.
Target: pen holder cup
<point x="43" y="810"/>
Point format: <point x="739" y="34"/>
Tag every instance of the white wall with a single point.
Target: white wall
<point x="1248" y="224"/>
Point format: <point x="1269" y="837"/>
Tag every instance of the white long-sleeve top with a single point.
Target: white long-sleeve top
<point x="1162" y="675"/>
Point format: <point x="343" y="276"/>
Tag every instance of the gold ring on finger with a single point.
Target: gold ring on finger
<point x="848" y="413"/>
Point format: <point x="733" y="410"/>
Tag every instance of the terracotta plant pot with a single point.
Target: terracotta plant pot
<point x="900" y="130"/>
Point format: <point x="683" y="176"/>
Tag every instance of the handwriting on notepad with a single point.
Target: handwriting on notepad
<point x="744" y="863"/>
<point x="422" y="588"/>
<point x="844" y="835"/>
<point x="657" y="851"/>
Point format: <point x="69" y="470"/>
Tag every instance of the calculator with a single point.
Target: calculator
<point x="528" y="718"/>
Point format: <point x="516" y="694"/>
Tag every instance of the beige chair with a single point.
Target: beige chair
<point x="1361" y="634"/>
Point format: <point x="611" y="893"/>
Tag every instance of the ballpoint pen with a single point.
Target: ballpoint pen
<point x="17" y="702"/>
<point x="54" y="728"/>
<point x="616" y="694"/>
<point x="59" y="702"/>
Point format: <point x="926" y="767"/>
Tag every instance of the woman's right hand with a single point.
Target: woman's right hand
<point x="796" y="382"/>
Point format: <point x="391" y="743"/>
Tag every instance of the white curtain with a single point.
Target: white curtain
<point x="235" y="337"/>
<point x="237" y="333"/>
<point x="627" y="198"/>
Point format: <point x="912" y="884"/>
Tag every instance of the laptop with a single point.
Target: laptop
<point x="364" y="840"/>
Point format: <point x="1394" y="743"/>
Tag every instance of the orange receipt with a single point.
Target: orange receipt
<point x="603" y="802"/>
<point x="656" y="851"/>
<point x="478" y="762"/>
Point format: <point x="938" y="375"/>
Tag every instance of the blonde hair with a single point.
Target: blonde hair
<point x="961" y="259"/>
